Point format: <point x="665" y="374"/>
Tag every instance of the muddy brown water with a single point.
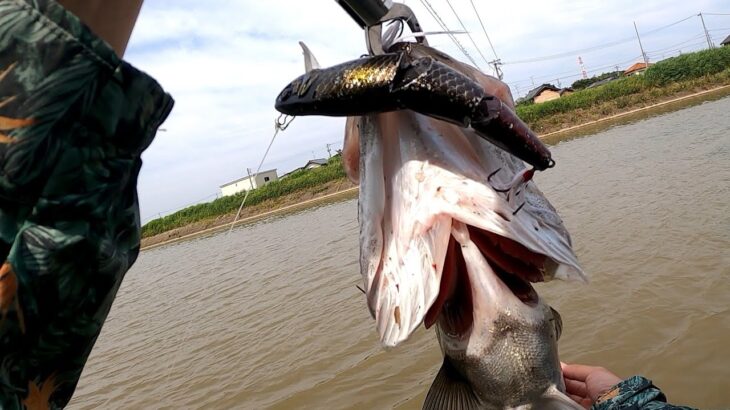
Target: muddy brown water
<point x="269" y="316"/>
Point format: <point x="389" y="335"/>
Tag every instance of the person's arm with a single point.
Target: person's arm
<point x="112" y="20"/>
<point x="596" y="388"/>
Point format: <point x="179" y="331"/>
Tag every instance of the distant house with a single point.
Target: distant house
<point x="604" y="81"/>
<point x="546" y="92"/>
<point x="249" y="182"/>
<point x="315" y="163"/>
<point x="726" y="42"/>
<point x="636" y="68"/>
<point x="311" y="164"/>
<point x="291" y="172"/>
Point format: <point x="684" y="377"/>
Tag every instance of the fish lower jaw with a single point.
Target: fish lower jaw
<point x="481" y="280"/>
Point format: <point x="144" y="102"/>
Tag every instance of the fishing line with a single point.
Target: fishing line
<point x="280" y="124"/>
<point x="424" y="34"/>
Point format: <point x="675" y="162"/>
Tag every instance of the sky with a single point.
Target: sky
<point x="224" y="62"/>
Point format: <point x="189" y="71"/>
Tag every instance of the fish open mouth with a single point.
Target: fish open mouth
<point x="431" y="222"/>
<point x="516" y="267"/>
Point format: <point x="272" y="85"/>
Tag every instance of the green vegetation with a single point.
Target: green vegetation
<point x="688" y="66"/>
<point x="297" y="181"/>
<point x="585" y="82"/>
<point x="691" y="69"/>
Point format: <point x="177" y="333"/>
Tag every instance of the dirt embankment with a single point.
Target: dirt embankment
<point x="622" y="106"/>
<point x="266" y="208"/>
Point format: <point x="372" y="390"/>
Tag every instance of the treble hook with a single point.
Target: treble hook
<point x="518" y="181"/>
<point x="489" y="179"/>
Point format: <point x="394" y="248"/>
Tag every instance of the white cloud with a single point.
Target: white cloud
<point x="224" y="62"/>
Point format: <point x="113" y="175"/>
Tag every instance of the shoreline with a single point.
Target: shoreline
<point x="639" y="110"/>
<point x="592" y="126"/>
<point x="343" y="194"/>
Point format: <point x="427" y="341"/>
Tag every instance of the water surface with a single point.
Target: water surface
<point x="269" y="316"/>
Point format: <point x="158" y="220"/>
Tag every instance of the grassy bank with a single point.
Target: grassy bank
<point x="671" y="77"/>
<point x="664" y="80"/>
<point x="301" y="180"/>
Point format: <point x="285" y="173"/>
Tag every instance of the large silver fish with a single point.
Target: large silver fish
<point x="453" y="232"/>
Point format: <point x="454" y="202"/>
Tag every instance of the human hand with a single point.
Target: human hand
<point x="585" y="384"/>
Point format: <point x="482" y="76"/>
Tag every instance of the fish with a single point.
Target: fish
<point x="454" y="233"/>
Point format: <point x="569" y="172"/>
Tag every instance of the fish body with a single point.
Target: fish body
<point x="440" y="246"/>
<point x="453" y="232"/>
<point x="500" y="350"/>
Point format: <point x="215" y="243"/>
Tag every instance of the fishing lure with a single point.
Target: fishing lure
<point x="404" y="79"/>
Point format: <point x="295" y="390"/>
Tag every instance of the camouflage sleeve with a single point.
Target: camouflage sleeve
<point x="637" y="393"/>
<point x="74" y="121"/>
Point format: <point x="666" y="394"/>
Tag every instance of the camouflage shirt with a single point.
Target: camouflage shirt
<point x="635" y="393"/>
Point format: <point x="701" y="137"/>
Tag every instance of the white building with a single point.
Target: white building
<point x="248" y="182"/>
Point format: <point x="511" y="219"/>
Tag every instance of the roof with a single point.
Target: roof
<point x="536" y="91"/>
<point x="318" y="161"/>
<point x="726" y="41"/>
<point x="291" y="172"/>
<point x="635" y="67"/>
<point x="566" y="90"/>
<point x="604" y="81"/>
<point x="245" y="178"/>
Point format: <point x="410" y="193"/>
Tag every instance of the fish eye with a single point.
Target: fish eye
<point x="286" y="93"/>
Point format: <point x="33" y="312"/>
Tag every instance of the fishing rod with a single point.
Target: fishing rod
<point x="366" y="13"/>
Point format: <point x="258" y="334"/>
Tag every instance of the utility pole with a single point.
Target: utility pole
<point x="497" y="71"/>
<point x="329" y="151"/>
<point x="646" y="60"/>
<point x="533" y="81"/>
<point x="250" y="180"/>
<point x="557" y="80"/>
<point x="707" y="35"/>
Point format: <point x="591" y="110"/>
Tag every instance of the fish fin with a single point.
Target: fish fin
<point x="554" y="399"/>
<point x="557" y="322"/>
<point x="450" y="391"/>
<point x="310" y="61"/>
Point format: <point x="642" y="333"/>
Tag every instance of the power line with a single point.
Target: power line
<point x="688" y="47"/>
<point x="716" y="14"/>
<point x="467" y="32"/>
<point x="484" y="29"/>
<point x="646" y="33"/>
<point x="674" y="46"/>
<point x="571" y="53"/>
<point x="441" y="23"/>
<point x="597" y="47"/>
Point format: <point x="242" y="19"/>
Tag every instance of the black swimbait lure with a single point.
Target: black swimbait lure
<point x="402" y="79"/>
